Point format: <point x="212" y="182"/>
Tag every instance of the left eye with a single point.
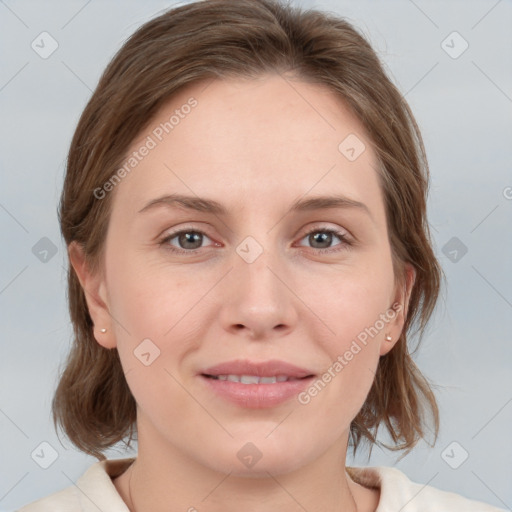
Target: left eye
<point x="325" y="236"/>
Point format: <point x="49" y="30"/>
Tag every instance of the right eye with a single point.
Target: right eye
<point x="189" y="241"/>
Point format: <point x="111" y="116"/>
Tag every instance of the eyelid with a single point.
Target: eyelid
<point x="169" y="235"/>
<point x="325" y="227"/>
<point x="346" y="238"/>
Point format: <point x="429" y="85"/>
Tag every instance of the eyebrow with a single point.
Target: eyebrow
<point x="205" y="205"/>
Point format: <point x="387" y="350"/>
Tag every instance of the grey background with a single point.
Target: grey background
<point x="463" y="106"/>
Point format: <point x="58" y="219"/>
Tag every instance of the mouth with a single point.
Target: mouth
<point x="246" y="371"/>
<point x="256" y="385"/>
<point x="255" y="379"/>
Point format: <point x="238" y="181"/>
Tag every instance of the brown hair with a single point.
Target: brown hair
<point x="246" y="38"/>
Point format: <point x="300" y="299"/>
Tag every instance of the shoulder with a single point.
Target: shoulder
<point x="92" y="491"/>
<point x="65" y="500"/>
<point x="398" y="492"/>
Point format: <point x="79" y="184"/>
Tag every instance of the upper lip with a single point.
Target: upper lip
<point x="268" y="368"/>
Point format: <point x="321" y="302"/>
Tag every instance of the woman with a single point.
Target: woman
<point x="245" y="214"/>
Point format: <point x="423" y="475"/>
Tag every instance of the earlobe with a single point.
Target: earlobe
<point x="94" y="288"/>
<point x="398" y="311"/>
<point x="387" y="344"/>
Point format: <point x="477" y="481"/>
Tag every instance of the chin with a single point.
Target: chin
<point x="259" y="458"/>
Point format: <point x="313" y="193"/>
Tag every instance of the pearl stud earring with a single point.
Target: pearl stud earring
<point x="103" y="330"/>
<point x="388" y="337"/>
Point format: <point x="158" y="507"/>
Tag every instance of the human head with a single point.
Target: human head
<point x="188" y="45"/>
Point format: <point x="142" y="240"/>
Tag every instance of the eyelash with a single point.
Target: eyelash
<point x="343" y="246"/>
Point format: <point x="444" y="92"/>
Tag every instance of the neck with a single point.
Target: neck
<point x="166" y="480"/>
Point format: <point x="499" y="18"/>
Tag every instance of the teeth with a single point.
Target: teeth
<point x="254" y="379"/>
<point x="249" y="379"/>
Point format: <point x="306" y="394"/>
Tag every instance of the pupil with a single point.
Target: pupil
<point x="190" y="237"/>
<point x="325" y="236"/>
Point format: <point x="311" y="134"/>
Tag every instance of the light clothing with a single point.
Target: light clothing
<point x="94" y="491"/>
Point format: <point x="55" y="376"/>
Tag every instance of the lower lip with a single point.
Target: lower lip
<point x="257" y="396"/>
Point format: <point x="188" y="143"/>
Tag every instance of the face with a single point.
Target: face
<point x="268" y="273"/>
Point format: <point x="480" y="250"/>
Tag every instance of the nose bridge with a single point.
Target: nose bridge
<point x="257" y="262"/>
<point x="259" y="246"/>
<point x="257" y="297"/>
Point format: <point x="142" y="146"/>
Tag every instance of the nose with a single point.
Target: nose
<point x="258" y="300"/>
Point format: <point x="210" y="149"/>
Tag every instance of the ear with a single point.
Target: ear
<point x="398" y="310"/>
<point x="95" y="290"/>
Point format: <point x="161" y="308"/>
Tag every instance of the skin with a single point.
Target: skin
<point x="255" y="146"/>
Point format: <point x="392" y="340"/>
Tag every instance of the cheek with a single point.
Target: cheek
<point x="351" y="299"/>
<point x="356" y="312"/>
<point x="158" y="303"/>
<point x="150" y="306"/>
<point x="147" y="299"/>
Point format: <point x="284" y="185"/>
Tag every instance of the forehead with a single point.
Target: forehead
<point x="240" y="140"/>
